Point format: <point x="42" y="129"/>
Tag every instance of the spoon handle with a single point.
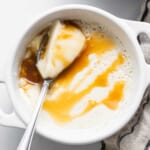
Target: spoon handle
<point x="26" y="140"/>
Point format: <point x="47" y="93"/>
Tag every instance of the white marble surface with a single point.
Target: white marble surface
<point x="15" y="15"/>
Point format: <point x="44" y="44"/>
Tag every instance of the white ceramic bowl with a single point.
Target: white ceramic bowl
<point x="125" y="30"/>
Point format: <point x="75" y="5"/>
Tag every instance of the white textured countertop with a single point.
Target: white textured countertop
<point x="15" y="15"/>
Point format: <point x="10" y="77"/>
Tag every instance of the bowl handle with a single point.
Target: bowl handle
<point x="11" y="119"/>
<point x="140" y="27"/>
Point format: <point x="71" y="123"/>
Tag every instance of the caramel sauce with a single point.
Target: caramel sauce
<point x="115" y="95"/>
<point x="66" y="33"/>
<point x="60" y="104"/>
<point x="111" y="101"/>
<point x="96" y="43"/>
<point x="29" y="71"/>
<point x="104" y="76"/>
<point x="59" y="56"/>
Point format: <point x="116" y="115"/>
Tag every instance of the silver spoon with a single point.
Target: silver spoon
<point x="26" y="140"/>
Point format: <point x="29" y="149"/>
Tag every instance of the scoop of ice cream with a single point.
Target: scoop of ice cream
<point x="65" y="44"/>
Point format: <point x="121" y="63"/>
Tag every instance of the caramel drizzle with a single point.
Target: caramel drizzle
<point x="60" y="106"/>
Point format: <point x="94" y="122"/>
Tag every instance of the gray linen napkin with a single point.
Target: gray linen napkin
<point x="136" y="134"/>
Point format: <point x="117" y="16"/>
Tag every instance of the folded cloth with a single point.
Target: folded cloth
<point x="136" y="134"/>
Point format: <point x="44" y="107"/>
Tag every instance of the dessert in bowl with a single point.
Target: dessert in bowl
<point x="101" y="90"/>
<point x="97" y="82"/>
